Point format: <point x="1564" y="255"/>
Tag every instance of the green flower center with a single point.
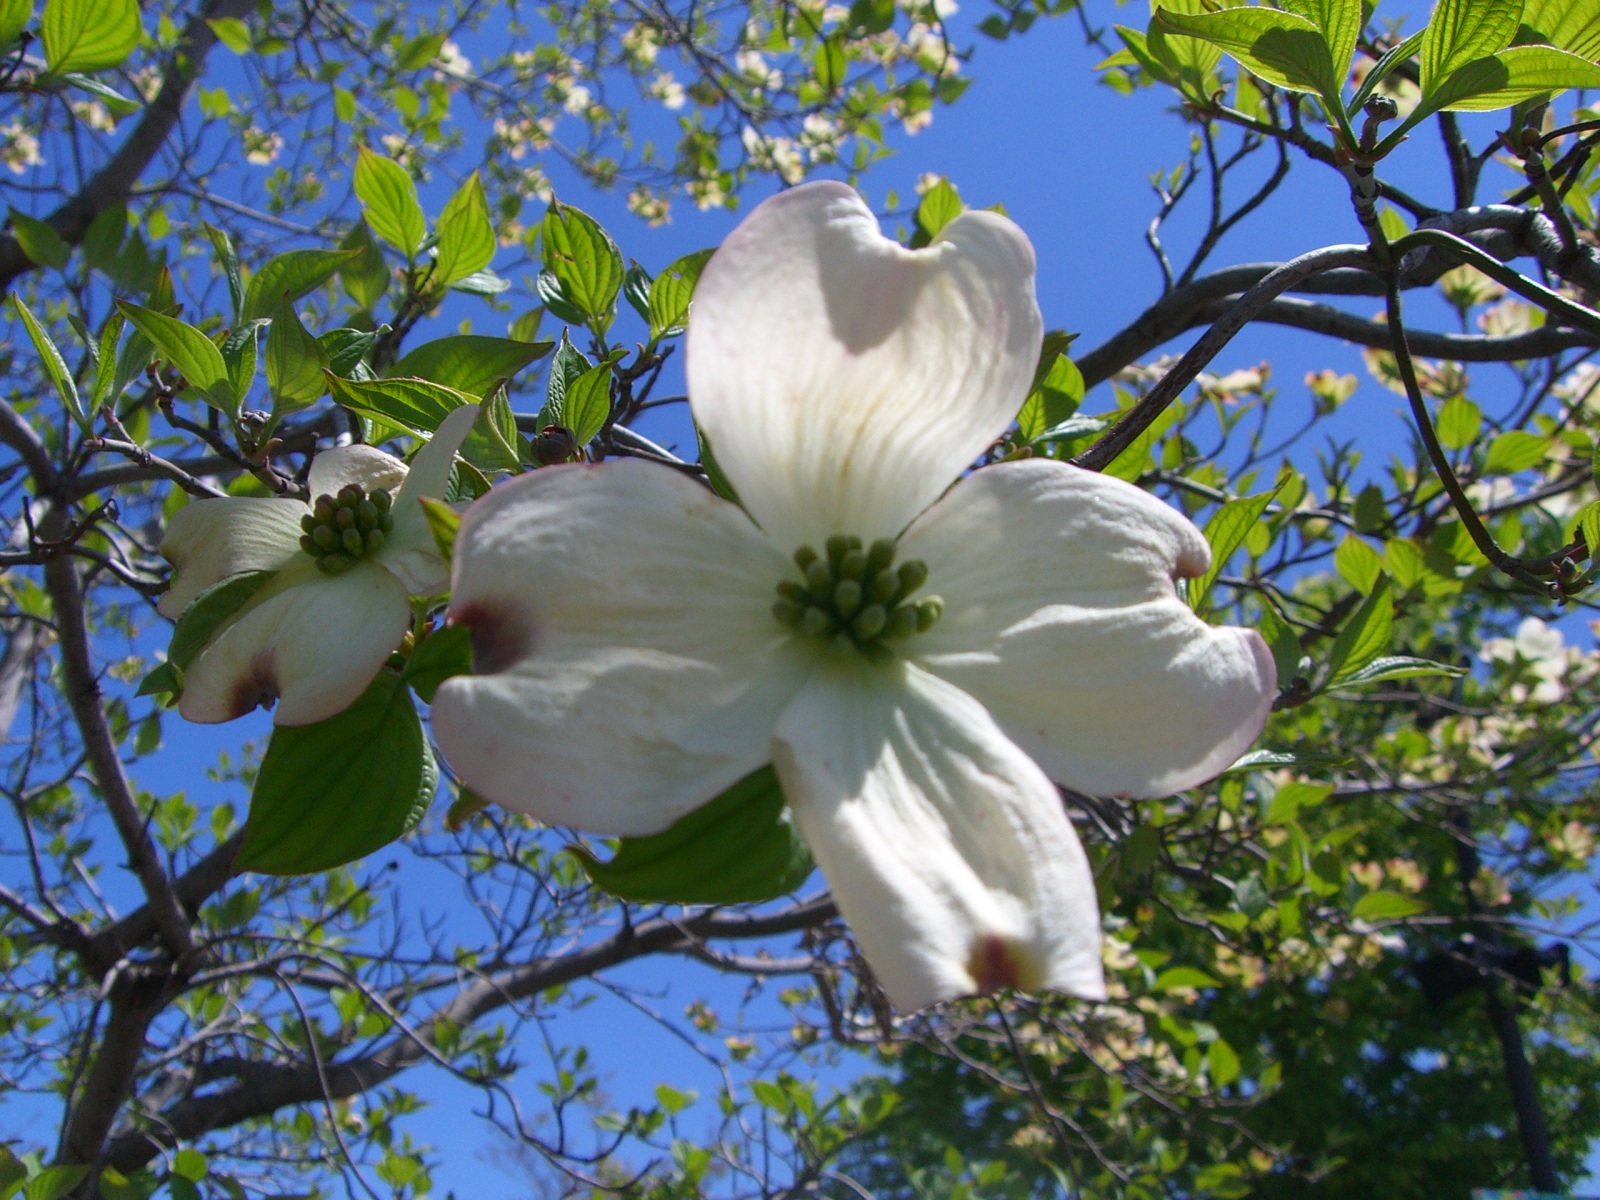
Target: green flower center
<point x="857" y="594"/>
<point x="342" y="529"/>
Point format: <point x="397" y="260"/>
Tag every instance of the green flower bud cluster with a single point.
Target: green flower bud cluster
<point x="857" y="593"/>
<point x="341" y="529"/>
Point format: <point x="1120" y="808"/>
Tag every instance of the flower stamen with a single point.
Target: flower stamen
<point x="344" y="528"/>
<point x="856" y="593"/>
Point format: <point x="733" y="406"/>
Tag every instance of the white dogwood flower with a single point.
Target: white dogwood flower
<point x="338" y="604"/>
<point x="917" y="660"/>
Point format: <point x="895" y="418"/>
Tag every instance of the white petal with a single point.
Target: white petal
<point x="365" y="466"/>
<point x="1062" y="618"/>
<point x="842" y="381"/>
<point x="411" y="555"/>
<point x="314" y="645"/>
<point x="629" y="664"/>
<point x="947" y="850"/>
<point x="209" y="540"/>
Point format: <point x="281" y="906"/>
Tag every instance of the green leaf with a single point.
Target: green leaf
<point x="1386" y="906"/>
<point x="14" y="18"/>
<point x="493" y="443"/>
<point x="1358" y="563"/>
<point x="239" y="352"/>
<point x="228" y="260"/>
<point x="1052" y="402"/>
<point x="190" y="352"/>
<point x="466" y="234"/>
<point x="413" y="404"/>
<point x="588" y="403"/>
<point x="1364" y="637"/>
<point x="89" y="35"/>
<point x="1459" y="422"/>
<point x="719" y="482"/>
<point x="389" y="201"/>
<point x="1280" y="47"/>
<point x="1462" y="31"/>
<point x="294" y="275"/>
<point x="104" y="237"/>
<point x="636" y="283"/>
<point x="481" y="283"/>
<point x="671" y="1100"/>
<point x="115" y="102"/>
<point x="1181" y="978"/>
<point x="1510" y="77"/>
<point x="1262" y="760"/>
<point x="232" y="33"/>
<point x="741" y="847"/>
<point x="296" y="362"/>
<point x="39" y="240"/>
<point x="582" y="256"/>
<point x="1293" y="797"/>
<point x="671" y="292"/>
<point x="52" y="1183"/>
<point x="1226" y="532"/>
<point x="335" y="791"/>
<point x="940" y="205"/>
<point x="365" y="274"/>
<point x="443" y="523"/>
<point x="55" y="367"/>
<point x="209" y="611"/>
<point x="566" y="365"/>
<point x="1393" y="57"/>
<point x="1340" y="22"/>
<point x="469" y="363"/>
<point x="1514" y="451"/>
<point x="164" y="680"/>
<point x="443" y="653"/>
<point x="190" y="1164"/>
<point x="1222" y="1063"/>
<point x="1571" y="25"/>
<point x="1399" y="666"/>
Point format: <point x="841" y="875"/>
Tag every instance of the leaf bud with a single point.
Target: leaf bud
<point x="554" y="444"/>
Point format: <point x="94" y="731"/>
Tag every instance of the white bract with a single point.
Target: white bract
<point x="640" y="644"/>
<point x="317" y="632"/>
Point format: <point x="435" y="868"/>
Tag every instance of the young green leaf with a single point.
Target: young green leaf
<point x="566" y="365"/>
<point x="1364" y="637"/>
<point x="239" y="352"/>
<point x="940" y="205"/>
<point x="335" y="791"/>
<point x="1459" y="422"/>
<point x="1462" y="31"/>
<point x="588" y="403"/>
<point x="466" y="235"/>
<point x="1358" y="563"/>
<point x="365" y="275"/>
<point x="1340" y="22"/>
<point x="1386" y="906"/>
<point x="582" y="256"/>
<point x="228" y="260"/>
<point x="443" y="653"/>
<point x="1515" y="450"/>
<point x="88" y="35"/>
<point x="14" y="18"/>
<point x="1399" y="666"/>
<point x="1571" y="25"/>
<point x="40" y="241"/>
<point x="389" y="200"/>
<point x="189" y="351"/>
<point x="293" y="274"/>
<point x="1053" y="400"/>
<point x="470" y="362"/>
<point x="636" y="289"/>
<point x="296" y="362"/>
<point x="1282" y="48"/>
<point x="671" y="293"/>
<point x="208" y="611"/>
<point x="413" y="404"/>
<point x="1226" y="532"/>
<point x="443" y="522"/>
<point x="55" y="367"/>
<point x="739" y="848"/>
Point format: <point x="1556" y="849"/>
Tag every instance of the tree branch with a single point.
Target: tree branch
<point x="262" y="1088"/>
